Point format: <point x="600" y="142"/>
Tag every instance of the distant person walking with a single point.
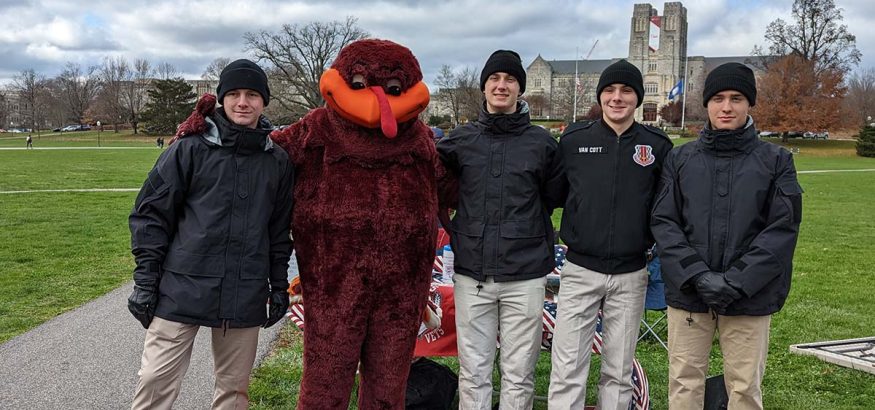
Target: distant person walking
<point x="29" y="142"/>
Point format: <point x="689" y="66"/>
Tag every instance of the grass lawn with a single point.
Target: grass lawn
<point x="830" y="299"/>
<point x="59" y="250"/>
<point x="124" y="138"/>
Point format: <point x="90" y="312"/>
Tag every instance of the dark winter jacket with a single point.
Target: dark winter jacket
<point x="210" y="227"/>
<point x="509" y="183"/>
<point x="728" y="203"/>
<point x="611" y="184"/>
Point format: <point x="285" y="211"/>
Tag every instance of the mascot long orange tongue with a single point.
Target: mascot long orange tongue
<point x="370" y="107"/>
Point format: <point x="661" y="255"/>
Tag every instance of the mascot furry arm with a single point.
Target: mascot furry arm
<point x="366" y="197"/>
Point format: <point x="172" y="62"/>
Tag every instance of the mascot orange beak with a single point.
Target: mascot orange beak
<point x="371" y="107"/>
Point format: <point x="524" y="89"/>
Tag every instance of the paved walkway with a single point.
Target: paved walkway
<point x="88" y="359"/>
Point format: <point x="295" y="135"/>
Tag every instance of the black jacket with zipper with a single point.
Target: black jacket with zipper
<point x="611" y="184"/>
<point x="510" y="175"/>
<point x="210" y="227"/>
<point x="728" y="203"/>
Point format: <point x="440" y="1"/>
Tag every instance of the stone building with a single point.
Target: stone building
<point x="657" y="46"/>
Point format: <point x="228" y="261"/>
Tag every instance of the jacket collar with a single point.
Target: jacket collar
<point x="498" y="124"/>
<point x="738" y="140"/>
<point x="222" y="132"/>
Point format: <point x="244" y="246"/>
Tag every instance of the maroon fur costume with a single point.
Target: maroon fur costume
<point x="364" y="227"/>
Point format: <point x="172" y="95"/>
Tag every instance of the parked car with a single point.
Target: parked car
<point x="816" y="135"/>
<point x="768" y="134"/>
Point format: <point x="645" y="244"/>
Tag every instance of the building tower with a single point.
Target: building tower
<point x="658" y="47"/>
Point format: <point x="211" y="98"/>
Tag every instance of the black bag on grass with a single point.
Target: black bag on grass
<point x="715" y="393"/>
<point x="430" y="386"/>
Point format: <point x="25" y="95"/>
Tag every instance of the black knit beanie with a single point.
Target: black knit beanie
<point x="622" y="72"/>
<point x="243" y="74"/>
<point x="504" y="61"/>
<point x="731" y="76"/>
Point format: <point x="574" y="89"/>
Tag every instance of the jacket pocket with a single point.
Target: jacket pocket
<point x="255" y="267"/>
<point x="188" y="263"/>
<point x="467" y="242"/>
<point x="791" y="193"/>
<point x="523" y="246"/>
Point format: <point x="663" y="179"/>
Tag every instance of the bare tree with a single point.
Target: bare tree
<point x="816" y="34"/>
<point x="4" y="107"/>
<point x="300" y="54"/>
<point x="32" y="96"/>
<point x="214" y="69"/>
<point x="134" y="90"/>
<point x="166" y="71"/>
<point x="460" y="91"/>
<point x="75" y="90"/>
<point x="861" y="96"/>
<point x="109" y="104"/>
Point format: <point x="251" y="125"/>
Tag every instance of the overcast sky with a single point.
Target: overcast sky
<point x="45" y="34"/>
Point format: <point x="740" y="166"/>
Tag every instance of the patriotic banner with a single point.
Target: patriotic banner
<point x="655" y="23"/>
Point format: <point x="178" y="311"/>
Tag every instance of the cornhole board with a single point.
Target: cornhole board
<point x="856" y="354"/>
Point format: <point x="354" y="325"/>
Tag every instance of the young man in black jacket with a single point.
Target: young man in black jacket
<point x="210" y="238"/>
<point x="726" y="221"/>
<point x="509" y="183"/>
<point x="612" y="167"/>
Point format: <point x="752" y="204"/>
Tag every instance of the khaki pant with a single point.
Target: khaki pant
<point x="744" y="341"/>
<point x="581" y="293"/>
<point x="517" y="309"/>
<point x="166" y="355"/>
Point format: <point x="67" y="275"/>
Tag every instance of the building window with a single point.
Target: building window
<point x="652" y="67"/>
<point x="650" y="112"/>
<point x="651" y="88"/>
<point x="537" y="82"/>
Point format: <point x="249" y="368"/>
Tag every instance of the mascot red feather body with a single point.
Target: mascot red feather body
<point x="364" y="225"/>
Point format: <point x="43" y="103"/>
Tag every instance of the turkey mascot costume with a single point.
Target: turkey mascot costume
<point x="364" y="225"/>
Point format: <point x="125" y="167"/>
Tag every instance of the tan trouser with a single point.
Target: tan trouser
<point x="517" y="308"/>
<point x="166" y="355"/>
<point x="580" y="294"/>
<point x="744" y="341"/>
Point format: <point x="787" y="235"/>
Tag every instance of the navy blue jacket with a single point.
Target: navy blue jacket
<point x="509" y="174"/>
<point x="728" y="203"/>
<point x="611" y="184"/>
<point x="210" y="227"/>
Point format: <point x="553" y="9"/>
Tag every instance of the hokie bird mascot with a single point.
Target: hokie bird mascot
<point x="364" y="223"/>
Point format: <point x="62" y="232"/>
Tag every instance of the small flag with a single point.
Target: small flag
<point x="677" y="90"/>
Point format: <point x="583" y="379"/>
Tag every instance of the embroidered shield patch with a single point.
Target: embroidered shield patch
<point x="643" y="155"/>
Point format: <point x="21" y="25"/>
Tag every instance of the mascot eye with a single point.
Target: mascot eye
<point x="358" y="82"/>
<point x="394" y="90"/>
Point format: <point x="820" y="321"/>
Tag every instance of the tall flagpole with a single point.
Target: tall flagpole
<point x="685" y="85"/>
<point x="576" y="79"/>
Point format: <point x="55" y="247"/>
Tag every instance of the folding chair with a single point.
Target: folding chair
<point x="654" y="301"/>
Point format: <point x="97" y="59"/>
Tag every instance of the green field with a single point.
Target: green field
<point x="59" y="250"/>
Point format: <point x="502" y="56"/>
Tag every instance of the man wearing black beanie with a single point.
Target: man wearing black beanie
<point x="726" y="220"/>
<point x="509" y="183"/>
<point x="612" y="166"/>
<point x="210" y="238"/>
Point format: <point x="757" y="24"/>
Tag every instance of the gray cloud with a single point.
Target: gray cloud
<point x="44" y="34"/>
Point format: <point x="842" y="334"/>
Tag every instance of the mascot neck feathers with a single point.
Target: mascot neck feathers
<point x="375" y="84"/>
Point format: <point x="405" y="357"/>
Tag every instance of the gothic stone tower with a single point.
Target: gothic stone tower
<point x="658" y="47"/>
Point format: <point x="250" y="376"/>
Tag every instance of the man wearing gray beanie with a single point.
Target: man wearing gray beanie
<point x="612" y="167"/>
<point x="726" y="221"/>
<point x="509" y="183"/>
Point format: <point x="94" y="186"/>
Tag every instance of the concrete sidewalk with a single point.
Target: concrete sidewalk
<point x="88" y="359"/>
